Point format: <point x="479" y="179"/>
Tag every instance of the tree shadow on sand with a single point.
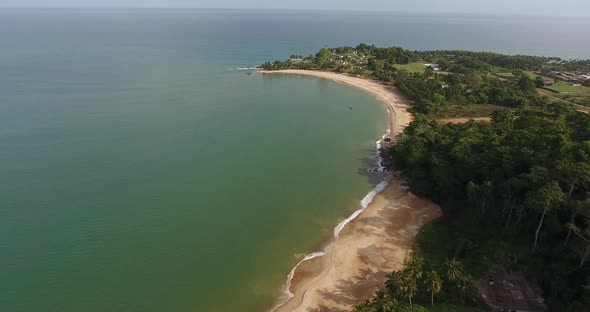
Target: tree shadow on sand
<point x="351" y="291"/>
<point x="374" y="256"/>
<point x="392" y="218"/>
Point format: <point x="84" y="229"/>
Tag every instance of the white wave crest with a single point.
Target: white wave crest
<point x="380" y="187"/>
<point x="287" y="288"/>
<point x="380" y="167"/>
<point x="364" y="204"/>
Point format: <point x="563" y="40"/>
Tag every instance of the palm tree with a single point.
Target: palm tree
<point x="434" y="284"/>
<point x="402" y="284"/>
<point x="381" y="303"/>
<point x="465" y="286"/>
<point x="454" y="269"/>
<point x="414" y="265"/>
<point x="391" y="283"/>
<point x="409" y="286"/>
<point x="364" y="307"/>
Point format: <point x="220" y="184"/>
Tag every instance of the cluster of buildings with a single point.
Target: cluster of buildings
<point x="570" y="76"/>
<point x="349" y="59"/>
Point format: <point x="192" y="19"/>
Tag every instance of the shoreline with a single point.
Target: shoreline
<point x="374" y="239"/>
<point x="396" y="103"/>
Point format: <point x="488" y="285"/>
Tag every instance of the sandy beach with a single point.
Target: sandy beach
<point x="376" y="242"/>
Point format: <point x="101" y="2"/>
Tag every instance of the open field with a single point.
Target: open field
<point x="579" y="103"/>
<point x="567" y="93"/>
<point x="508" y="75"/>
<point x="581" y="99"/>
<point x="412" y="67"/>
<point x="503" y="74"/>
<point x="563" y="87"/>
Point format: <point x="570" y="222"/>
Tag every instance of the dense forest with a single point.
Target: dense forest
<point x="515" y="191"/>
<point x="519" y="183"/>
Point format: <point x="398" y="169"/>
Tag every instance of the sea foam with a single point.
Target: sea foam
<point x="380" y="187"/>
<point x="287" y="288"/>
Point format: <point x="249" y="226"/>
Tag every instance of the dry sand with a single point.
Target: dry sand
<point x="374" y="243"/>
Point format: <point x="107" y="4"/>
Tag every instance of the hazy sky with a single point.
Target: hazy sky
<point x="544" y="7"/>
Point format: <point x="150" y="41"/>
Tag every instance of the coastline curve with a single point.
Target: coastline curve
<point x="399" y="117"/>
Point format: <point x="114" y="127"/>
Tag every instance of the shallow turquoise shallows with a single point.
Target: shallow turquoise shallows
<point x="141" y="170"/>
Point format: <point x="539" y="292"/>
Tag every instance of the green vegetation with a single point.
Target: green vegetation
<point x="503" y="73"/>
<point x="421" y="286"/>
<point x="568" y="93"/>
<point x="469" y="110"/>
<point x="411" y="67"/>
<point x="465" y="79"/>
<point x="515" y="191"/>
<point x="568" y="87"/>
<point x="576" y="98"/>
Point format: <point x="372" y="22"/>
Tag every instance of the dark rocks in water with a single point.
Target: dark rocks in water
<point x="386" y="158"/>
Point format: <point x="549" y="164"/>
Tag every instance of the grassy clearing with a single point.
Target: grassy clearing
<point x="563" y="87"/>
<point x="577" y="99"/>
<point x="580" y="102"/>
<point x="412" y="67"/>
<point x="568" y="93"/>
<point x="503" y="73"/>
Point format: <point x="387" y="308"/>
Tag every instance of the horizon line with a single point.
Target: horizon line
<point x="386" y="11"/>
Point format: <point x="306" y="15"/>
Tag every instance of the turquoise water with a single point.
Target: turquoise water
<point x="141" y="171"/>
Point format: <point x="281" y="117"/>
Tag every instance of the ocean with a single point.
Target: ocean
<point x="142" y="169"/>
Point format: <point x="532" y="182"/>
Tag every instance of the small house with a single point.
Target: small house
<point x="435" y="67"/>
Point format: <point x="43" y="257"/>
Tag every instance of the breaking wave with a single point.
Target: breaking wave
<point x="380" y="187"/>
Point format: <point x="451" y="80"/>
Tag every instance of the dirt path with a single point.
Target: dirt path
<point x="579" y="108"/>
